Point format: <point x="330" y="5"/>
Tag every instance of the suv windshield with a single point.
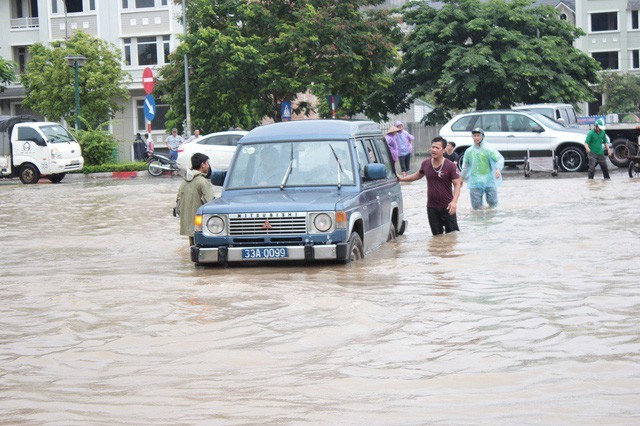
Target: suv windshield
<point x="546" y="121"/>
<point x="57" y="134"/>
<point x="266" y="165"/>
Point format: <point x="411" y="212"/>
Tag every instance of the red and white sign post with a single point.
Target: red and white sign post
<point x="148" y="83"/>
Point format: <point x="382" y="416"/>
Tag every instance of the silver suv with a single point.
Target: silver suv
<point x="520" y="134"/>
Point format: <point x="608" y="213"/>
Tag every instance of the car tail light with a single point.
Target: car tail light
<point x="180" y="149"/>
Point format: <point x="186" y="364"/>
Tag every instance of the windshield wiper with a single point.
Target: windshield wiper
<point x="339" y="165"/>
<point x="288" y="172"/>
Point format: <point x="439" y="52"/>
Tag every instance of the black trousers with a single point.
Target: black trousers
<point x="600" y="159"/>
<point x="441" y="221"/>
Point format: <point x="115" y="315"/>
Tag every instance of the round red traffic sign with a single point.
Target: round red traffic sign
<point x="147" y="80"/>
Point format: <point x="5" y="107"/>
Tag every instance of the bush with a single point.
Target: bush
<point x="97" y="145"/>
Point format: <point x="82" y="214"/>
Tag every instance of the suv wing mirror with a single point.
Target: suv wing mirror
<point x="218" y="177"/>
<point x="375" y="171"/>
<point x="537" y="129"/>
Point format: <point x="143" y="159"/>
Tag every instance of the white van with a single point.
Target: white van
<point x="562" y="113"/>
<point x="30" y="149"/>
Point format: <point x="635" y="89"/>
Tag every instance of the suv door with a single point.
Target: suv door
<point x="494" y="132"/>
<point x="525" y="138"/>
<point x="369" y="197"/>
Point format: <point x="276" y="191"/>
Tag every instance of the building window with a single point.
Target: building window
<point x="607" y="60"/>
<point x="147" y="51"/>
<point x="143" y="51"/>
<point x="92" y="4"/>
<point x="22" y="59"/>
<point x="73" y="6"/>
<point x="127" y="51"/>
<point x="606" y="21"/>
<point x="158" y="120"/>
<point x="563" y="16"/>
<point x="54" y="6"/>
<point x="144" y="4"/>
<point x="593" y="108"/>
<point x="166" y="46"/>
<point x="635" y="59"/>
<point x="634" y="20"/>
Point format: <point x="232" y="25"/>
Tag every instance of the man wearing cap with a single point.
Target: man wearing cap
<point x="481" y="168"/>
<point x="173" y="142"/>
<point x="595" y="144"/>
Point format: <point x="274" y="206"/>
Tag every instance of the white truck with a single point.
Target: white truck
<point x="623" y="130"/>
<point x="30" y="149"/>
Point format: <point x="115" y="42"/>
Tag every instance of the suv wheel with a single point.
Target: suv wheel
<point x="355" y="250"/>
<point x="572" y="159"/>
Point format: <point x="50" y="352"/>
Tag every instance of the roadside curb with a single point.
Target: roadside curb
<point x="107" y="175"/>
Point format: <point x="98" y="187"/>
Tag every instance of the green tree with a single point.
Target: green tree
<point x="246" y="58"/>
<point x="50" y="83"/>
<point x="621" y="92"/>
<point x="7" y="73"/>
<point x="474" y="54"/>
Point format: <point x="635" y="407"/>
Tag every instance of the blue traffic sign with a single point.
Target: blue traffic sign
<point x="149" y="107"/>
<point x="286" y="111"/>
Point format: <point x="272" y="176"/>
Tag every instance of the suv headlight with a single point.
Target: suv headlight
<point x="56" y="154"/>
<point x="322" y="222"/>
<point x="215" y="225"/>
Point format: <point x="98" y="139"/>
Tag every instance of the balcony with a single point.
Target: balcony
<point x="25" y="23"/>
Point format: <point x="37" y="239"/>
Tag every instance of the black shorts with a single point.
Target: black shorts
<point x="441" y="221"/>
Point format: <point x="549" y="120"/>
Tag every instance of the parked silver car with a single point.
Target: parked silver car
<point x="520" y="134"/>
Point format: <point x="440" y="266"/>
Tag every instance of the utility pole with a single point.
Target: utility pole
<point x="186" y="69"/>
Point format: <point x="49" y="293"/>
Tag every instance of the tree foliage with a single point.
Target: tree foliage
<point x="474" y="54"/>
<point x="621" y="92"/>
<point x="7" y="73"/>
<point x="247" y="57"/>
<point x="97" y="144"/>
<point x="50" y="82"/>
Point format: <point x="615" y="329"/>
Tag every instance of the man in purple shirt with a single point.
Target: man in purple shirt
<point x="443" y="188"/>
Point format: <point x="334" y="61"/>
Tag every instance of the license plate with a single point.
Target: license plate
<point x="74" y="162"/>
<point x="265" y="253"/>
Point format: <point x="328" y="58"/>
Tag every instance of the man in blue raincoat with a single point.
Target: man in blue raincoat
<point x="481" y="169"/>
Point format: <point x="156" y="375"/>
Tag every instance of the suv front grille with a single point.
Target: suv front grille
<point x="268" y="224"/>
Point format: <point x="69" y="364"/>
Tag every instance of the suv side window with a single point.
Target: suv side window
<point x="233" y="139"/>
<point x="491" y="122"/>
<point x="215" y="140"/>
<point x="464" y="124"/>
<point x="564" y="115"/>
<point x="385" y="156"/>
<point x="519" y="123"/>
<point x="363" y="158"/>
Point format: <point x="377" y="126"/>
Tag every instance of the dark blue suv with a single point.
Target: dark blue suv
<point x="302" y="190"/>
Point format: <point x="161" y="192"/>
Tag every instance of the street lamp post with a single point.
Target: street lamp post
<point x="186" y="70"/>
<point x="76" y="62"/>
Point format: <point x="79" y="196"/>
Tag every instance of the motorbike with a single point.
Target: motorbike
<point x="158" y="164"/>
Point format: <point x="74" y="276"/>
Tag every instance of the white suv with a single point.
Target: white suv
<point x="518" y="134"/>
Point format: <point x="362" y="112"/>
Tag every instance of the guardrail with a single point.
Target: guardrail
<point x="28" y="22"/>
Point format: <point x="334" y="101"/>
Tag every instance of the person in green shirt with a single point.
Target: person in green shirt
<point x="595" y="144"/>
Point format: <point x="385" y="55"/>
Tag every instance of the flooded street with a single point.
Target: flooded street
<point x="530" y="315"/>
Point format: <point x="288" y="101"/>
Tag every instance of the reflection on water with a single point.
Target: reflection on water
<point x="529" y="315"/>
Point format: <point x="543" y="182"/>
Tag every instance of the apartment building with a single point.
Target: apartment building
<point x="613" y="36"/>
<point x="144" y="30"/>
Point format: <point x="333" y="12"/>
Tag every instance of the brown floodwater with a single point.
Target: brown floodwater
<point x="530" y="315"/>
